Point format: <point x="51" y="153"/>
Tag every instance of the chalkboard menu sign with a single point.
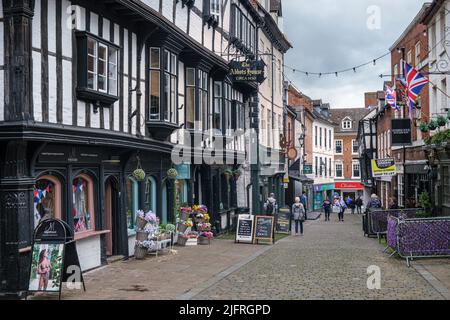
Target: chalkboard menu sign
<point x="284" y="221"/>
<point x="244" y="231"/>
<point x="264" y="228"/>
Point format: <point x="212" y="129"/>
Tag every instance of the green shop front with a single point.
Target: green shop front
<point x="321" y="192"/>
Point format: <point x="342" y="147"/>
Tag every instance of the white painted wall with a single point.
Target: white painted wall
<point x="67" y="92"/>
<point x="52" y="92"/>
<point x="89" y="253"/>
<point x="131" y="245"/>
<point x="36" y="34"/>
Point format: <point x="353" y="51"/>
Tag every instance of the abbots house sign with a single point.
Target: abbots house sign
<point x="247" y="71"/>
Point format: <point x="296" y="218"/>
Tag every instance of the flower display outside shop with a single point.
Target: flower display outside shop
<point x="149" y="232"/>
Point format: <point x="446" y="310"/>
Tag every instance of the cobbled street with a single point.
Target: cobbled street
<point x="329" y="262"/>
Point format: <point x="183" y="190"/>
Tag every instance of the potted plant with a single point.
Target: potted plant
<point x="141" y="222"/>
<point x="441" y="121"/>
<point x="142" y="247"/>
<point x="205" y="238"/>
<point x="423" y="127"/>
<point x="183" y="226"/>
<point x="433" y="125"/>
<point x="184" y="213"/>
<point x="172" y="174"/>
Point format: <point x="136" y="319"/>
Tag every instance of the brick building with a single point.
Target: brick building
<point x="346" y="163"/>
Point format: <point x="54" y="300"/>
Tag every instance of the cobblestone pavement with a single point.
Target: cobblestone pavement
<point x="329" y="262"/>
<point x="162" y="278"/>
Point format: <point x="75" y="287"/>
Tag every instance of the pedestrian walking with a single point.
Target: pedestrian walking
<point x="343" y="207"/>
<point x="359" y="203"/>
<point x="351" y="203"/>
<point x="298" y="216"/>
<point x="271" y="206"/>
<point x="374" y="202"/>
<point x="304" y="201"/>
<point x="393" y="205"/>
<point x="327" y="208"/>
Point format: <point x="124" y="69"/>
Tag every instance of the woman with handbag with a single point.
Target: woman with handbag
<point x="298" y="214"/>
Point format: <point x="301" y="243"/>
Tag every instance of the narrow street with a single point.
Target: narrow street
<point x="329" y="262"/>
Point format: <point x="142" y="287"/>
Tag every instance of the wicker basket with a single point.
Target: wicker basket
<point x="183" y="215"/>
<point x="140" y="223"/>
<point x="140" y="253"/>
<point x="204" y="241"/>
<point x="182" y="228"/>
<point x="141" y="236"/>
<point x="182" y="240"/>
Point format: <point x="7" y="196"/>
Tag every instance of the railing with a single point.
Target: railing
<point x="376" y="221"/>
<point x="419" y="238"/>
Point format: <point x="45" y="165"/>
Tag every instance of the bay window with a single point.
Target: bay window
<point x="98" y="69"/>
<point x="163" y="103"/>
<point x="196" y="89"/>
<point x="243" y="30"/>
<point x="217" y="112"/>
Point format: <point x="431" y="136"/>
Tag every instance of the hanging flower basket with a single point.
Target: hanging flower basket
<point x="441" y="121"/>
<point x="424" y="127"/>
<point x="172" y="174"/>
<point x="237" y="174"/>
<point x="433" y="125"/>
<point x="228" y="174"/>
<point x="139" y="175"/>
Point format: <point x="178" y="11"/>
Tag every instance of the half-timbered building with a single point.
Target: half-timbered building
<point x="90" y="91"/>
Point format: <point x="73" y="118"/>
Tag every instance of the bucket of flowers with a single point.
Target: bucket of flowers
<point x="142" y="248"/>
<point x="141" y="222"/>
<point x="184" y="213"/>
<point x="183" y="226"/>
<point x="205" y="238"/>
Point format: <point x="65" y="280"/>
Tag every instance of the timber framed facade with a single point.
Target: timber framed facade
<point x="92" y="90"/>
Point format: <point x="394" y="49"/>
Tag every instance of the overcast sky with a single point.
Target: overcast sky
<point x="330" y="35"/>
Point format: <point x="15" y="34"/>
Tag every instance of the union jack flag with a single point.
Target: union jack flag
<point x="414" y="83"/>
<point x="391" y="97"/>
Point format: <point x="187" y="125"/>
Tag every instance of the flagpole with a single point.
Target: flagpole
<point x="437" y="87"/>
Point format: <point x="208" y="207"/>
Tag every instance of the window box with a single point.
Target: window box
<point x="98" y="70"/>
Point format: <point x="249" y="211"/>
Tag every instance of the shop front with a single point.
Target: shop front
<point x="350" y="189"/>
<point x="321" y="192"/>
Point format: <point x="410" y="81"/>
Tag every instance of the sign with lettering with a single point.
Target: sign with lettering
<point x="264" y="228"/>
<point x="244" y="231"/>
<point x="184" y="171"/>
<point x="247" y="71"/>
<point x="384" y="168"/>
<point x="284" y="221"/>
<point x="308" y="169"/>
<point x="401" y="132"/>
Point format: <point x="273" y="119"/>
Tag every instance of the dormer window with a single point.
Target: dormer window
<point x="347" y="124"/>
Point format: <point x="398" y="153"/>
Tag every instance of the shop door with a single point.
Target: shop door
<point x="111" y="216"/>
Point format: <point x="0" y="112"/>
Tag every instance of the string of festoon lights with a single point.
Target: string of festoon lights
<point x="353" y="69"/>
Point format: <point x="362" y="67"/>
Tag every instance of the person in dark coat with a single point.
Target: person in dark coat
<point x="327" y="208"/>
<point x="359" y="203"/>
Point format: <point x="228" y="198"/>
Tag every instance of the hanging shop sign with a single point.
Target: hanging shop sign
<point x="384" y="168"/>
<point x="184" y="171"/>
<point x="244" y="230"/>
<point x="247" y="71"/>
<point x="284" y="221"/>
<point x="307" y="169"/>
<point x="401" y="132"/>
<point x="264" y="229"/>
<point x="54" y="258"/>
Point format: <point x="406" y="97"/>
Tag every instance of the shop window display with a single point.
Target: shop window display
<point x="46" y="200"/>
<point x="82" y="208"/>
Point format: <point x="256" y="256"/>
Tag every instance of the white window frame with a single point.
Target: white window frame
<point x="338" y="163"/>
<point x="356" y="163"/>
<point x="417" y="53"/>
<point x="347" y="124"/>
<point x="214" y="8"/>
<point x="336" y="144"/>
<point x="354" y="141"/>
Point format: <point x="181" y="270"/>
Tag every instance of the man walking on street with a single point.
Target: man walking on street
<point x="343" y="207"/>
<point x="271" y="206"/>
<point x="327" y="208"/>
<point x="359" y="204"/>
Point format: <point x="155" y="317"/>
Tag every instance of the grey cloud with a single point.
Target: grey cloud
<point x="329" y="35"/>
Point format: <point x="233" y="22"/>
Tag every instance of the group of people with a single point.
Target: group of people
<point x="339" y="206"/>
